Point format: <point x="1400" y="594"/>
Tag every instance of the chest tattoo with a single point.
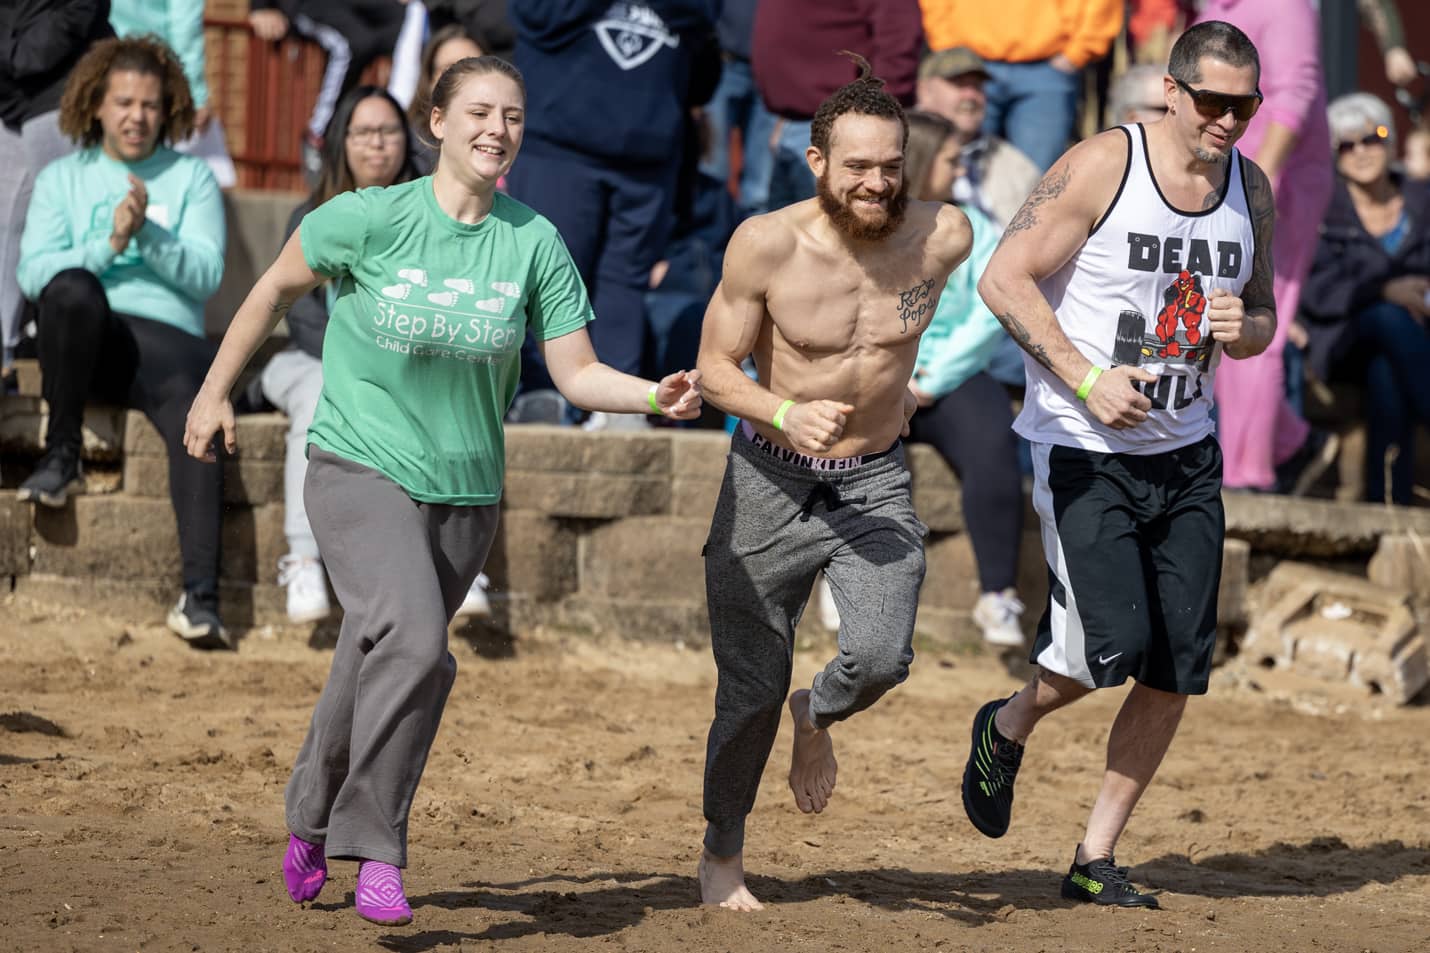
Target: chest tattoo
<point x="914" y="303"/>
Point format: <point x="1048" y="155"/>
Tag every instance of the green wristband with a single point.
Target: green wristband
<point x="1085" y="388"/>
<point x="779" y="418"/>
<point x="650" y="399"/>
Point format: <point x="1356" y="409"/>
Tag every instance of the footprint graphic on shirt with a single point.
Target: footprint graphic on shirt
<point x="509" y="288"/>
<point x="496" y="305"/>
<point x="460" y="284"/>
<point x="445" y="298"/>
<point x="398" y="292"/>
<point x="415" y="275"/>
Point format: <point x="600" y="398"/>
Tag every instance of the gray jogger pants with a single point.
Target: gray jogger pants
<point x="400" y="569"/>
<point x="776" y="525"/>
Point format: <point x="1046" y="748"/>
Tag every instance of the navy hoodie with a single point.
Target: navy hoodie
<point x="609" y="80"/>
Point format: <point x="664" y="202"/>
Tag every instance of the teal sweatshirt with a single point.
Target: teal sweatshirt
<point x="179" y="23"/>
<point x="962" y="333"/>
<point x="170" y="267"/>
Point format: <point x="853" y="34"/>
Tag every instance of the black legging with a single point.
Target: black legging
<point x="971" y="428"/>
<point x="89" y="352"/>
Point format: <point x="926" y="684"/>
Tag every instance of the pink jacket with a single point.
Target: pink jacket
<point x="1287" y="37"/>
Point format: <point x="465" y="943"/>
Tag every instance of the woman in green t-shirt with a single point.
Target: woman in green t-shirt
<point x="437" y="282"/>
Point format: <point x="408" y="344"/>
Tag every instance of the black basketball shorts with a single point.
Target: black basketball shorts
<point x="1134" y="550"/>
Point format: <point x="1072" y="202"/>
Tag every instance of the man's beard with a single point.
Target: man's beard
<point x="849" y="222"/>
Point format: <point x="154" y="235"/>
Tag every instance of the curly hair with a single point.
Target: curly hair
<point x="865" y="96"/>
<point x="88" y="83"/>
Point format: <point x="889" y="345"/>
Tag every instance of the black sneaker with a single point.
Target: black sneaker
<point x="1104" y="883"/>
<point x="56" y="476"/>
<point x="195" y="618"/>
<point x="1304" y="468"/>
<point x="988" y="778"/>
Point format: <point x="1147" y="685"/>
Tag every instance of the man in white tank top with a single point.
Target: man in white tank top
<point x="1141" y="260"/>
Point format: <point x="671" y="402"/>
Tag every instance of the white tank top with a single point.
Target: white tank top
<point x="1136" y="293"/>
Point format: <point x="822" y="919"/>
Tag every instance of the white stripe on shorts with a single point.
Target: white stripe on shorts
<point x="1067" y="653"/>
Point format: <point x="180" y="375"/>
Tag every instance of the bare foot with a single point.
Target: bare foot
<point x="812" y="766"/>
<point x="722" y="883"/>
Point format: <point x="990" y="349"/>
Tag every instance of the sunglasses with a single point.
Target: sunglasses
<point x="1213" y="105"/>
<point x="1377" y="137"/>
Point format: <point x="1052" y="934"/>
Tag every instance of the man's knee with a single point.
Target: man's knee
<point x="878" y="668"/>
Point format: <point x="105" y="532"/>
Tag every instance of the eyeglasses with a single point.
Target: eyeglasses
<point x="1214" y="105"/>
<point x="369" y="133"/>
<point x="1377" y="137"/>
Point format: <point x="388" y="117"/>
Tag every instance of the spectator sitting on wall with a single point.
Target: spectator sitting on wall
<point x="123" y="244"/>
<point x="994" y="176"/>
<point x="963" y="412"/>
<point x="1137" y="95"/>
<point x="445" y="47"/>
<point x="1368" y="295"/>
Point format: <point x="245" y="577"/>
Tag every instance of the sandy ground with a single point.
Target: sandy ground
<point x="141" y="793"/>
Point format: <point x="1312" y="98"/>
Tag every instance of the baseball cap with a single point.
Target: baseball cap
<point x="954" y="61"/>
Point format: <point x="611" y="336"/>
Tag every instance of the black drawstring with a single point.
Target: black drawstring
<point x="832" y="500"/>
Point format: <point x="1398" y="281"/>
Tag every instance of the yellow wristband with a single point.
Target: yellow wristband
<point x="779" y="418"/>
<point x="654" y="405"/>
<point x="1085" y="388"/>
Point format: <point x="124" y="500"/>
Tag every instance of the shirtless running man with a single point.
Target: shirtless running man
<point x="830" y="296"/>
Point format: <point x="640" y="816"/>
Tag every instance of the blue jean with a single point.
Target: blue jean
<point x="790" y="178"/>
<point x="1033" y="106"/>
<point x="1397" y="396"/>
<point x="616" y="220"/>
<point x="737" y="105"/>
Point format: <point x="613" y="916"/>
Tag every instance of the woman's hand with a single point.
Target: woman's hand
<point x="678" y="395"/>
<point x="209" y="415"/>
<point x="1409" y="292"/>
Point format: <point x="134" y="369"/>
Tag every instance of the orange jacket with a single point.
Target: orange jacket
<point x="1024" y="31"/>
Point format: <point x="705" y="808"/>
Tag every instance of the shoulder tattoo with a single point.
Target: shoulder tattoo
<point x="1055" y="183"/>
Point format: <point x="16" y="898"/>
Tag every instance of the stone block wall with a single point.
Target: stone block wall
<point x="599" y="531"/>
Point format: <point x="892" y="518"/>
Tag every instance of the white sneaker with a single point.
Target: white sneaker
<point x="476" y="602"/>
<point x="998" y="614"/>
<point x="307" y="588"/>
<point x="824" y="599"/>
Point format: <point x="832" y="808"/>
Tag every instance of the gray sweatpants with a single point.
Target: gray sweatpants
<point x="776" y="526"/>
<point x="400" y="569"/>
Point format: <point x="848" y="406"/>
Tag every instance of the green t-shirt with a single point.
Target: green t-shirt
<point x="422" y="351"/>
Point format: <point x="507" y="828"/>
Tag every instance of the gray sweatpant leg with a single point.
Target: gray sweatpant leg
<point x="400" y="569"/>
<point x="776" y="525"/>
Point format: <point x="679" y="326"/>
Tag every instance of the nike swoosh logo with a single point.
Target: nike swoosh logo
<point x="1104" y="661"/>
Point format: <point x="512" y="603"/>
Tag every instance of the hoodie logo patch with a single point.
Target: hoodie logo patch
<point x="632" y="33"/>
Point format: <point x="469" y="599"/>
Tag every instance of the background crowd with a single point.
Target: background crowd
<point x="654" y="128"/>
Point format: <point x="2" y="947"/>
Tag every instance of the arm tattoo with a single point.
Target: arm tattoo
<point x="278" y="307"/>
<point x="1025" y="340"/>
<point x="1055" y="183"/>
<point x="1258" y="293"/>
